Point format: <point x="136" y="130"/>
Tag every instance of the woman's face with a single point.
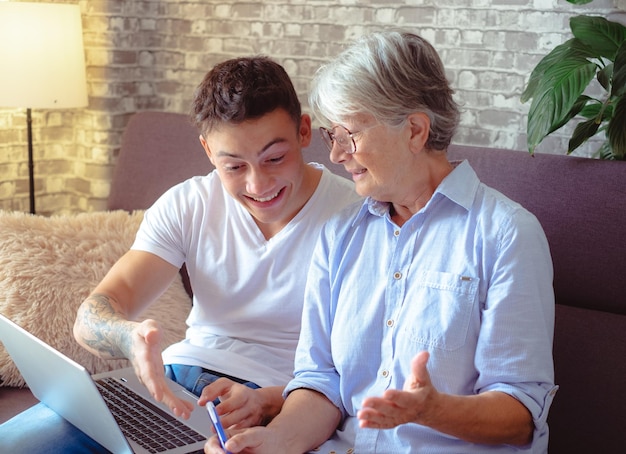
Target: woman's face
<point x="379" y="165"/>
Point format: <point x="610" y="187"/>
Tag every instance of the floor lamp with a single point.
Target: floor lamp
<point x="43" y="62"/>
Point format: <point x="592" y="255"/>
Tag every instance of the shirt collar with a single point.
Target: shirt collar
<point x="459" y="186"/>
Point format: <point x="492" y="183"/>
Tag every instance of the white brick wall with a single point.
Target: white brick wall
<point x="150" y="55"/>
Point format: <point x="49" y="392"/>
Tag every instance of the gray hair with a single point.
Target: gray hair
<point x="388" y="75"/>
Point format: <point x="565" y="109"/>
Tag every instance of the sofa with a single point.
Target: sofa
<point x="580" y="202"/>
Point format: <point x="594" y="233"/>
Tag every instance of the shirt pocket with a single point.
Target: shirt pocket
<point x="438" y="309"/>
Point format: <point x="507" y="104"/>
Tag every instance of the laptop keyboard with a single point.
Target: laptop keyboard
<point x="142" y="421"/>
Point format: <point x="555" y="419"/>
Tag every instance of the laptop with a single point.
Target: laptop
<point x="113" y="408"/>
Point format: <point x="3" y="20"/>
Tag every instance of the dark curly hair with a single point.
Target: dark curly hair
<point x="243" y="88"/>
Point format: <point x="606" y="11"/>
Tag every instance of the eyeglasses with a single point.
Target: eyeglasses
<point x="341" y="136"/>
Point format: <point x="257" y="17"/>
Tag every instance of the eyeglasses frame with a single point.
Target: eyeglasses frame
<point x="330" y="134"/>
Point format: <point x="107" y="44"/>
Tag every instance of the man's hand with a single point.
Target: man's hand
<point x="411" y="404"/>
<point x="145" y="356"/>
<point x="241" y="406"/>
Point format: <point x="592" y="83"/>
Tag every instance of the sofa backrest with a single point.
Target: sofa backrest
<point x="158" y="150"/>
<point x="581" y="204"/>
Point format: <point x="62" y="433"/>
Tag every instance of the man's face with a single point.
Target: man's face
<point x="260" y="165"/>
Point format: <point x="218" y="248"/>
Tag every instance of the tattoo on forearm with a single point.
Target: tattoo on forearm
<point x="108" y="331"/>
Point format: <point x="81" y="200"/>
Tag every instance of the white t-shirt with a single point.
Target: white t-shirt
<point x="248" y="291"/>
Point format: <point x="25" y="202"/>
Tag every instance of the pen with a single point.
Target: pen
<point x="217" y="425"/>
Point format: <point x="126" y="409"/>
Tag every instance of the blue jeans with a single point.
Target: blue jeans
<point x="195" y="378"/>
<point x="40" y="430"/>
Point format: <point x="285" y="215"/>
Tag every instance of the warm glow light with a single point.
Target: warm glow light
<point x="42" y="62"/>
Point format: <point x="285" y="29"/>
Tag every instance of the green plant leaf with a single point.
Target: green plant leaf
<point x="583" y="131"/>
<point x="579" y="2"/>
<point x="616" y="131"/>
<point x="604" y="76"/>
<point x="578" y="106"/>
<point x="570" y="49"/>
<point x="592" y="108"/>
<point x="556" y="94"/>
<point x="604" y="37"/>
<point x="619" y="72"/>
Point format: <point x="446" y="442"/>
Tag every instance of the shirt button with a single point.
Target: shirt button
<point x="396" y="232"/>
<point x="397" y="275"/>
<point x="385" y="373"/>
<point x="389" y="323"/>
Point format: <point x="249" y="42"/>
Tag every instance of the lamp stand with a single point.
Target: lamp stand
<point x="31" y="164"/>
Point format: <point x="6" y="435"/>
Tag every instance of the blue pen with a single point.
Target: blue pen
<point x="217" y="425"/>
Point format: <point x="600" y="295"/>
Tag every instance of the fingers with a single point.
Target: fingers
<point x="156" y="383"/>
<point x="219" y="388"/>
<point x="378" y="413"/>
<point x="180" y="407"/>
<point x="255" y="440"/>
<point x="146" y="358"/>
<point x="240" y="406"/>
<point x="212" y="446"/>
<point x="397" y="407"/>
<point x="148" y="365"/>
<point x="420" y="376"/>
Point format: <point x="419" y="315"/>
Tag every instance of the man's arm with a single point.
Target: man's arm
<point x="101" y="329"/>
<point x="104" y="324"/>
<point x="104" y="320"/>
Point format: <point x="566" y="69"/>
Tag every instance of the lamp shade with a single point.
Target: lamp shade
<point x="42" y="62"/>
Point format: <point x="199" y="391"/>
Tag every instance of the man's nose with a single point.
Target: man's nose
<point x="258" y="181"/>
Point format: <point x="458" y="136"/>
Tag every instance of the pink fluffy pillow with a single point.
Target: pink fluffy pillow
<point x="48" y="266"/>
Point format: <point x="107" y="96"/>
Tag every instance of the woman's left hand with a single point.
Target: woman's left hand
<point x="413" y="403"/>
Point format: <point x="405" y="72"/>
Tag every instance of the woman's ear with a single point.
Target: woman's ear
<point x="419" y="125"/>
<point x="207" y="150"/>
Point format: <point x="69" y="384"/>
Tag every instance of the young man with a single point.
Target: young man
<point x="246" y="233"/>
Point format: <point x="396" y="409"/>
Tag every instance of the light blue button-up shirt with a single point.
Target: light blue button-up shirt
<point x="468" y="278"/>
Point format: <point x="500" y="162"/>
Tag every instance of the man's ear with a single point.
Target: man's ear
<point x="419" y="125"/>
<point x="305" y="130"/>
<point x="207" y="150"/>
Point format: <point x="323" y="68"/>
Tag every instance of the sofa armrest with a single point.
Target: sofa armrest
<point x="14" y="401"/>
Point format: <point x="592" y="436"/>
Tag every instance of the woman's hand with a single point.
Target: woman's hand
<point x="255" y="440"/>
<point x="411" y="404"/>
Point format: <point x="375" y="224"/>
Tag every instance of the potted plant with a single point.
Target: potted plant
<point x="558" y="87"/>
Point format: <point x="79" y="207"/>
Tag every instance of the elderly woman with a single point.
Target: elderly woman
<point x="429" y="309"/>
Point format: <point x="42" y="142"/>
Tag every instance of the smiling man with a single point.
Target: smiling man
<point x="246" y="233"/>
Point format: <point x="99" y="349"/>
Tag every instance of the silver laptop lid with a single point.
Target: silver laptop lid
<point x="63" y="385"/>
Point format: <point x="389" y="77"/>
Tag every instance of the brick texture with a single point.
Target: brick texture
<point x="150" y="55"/>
